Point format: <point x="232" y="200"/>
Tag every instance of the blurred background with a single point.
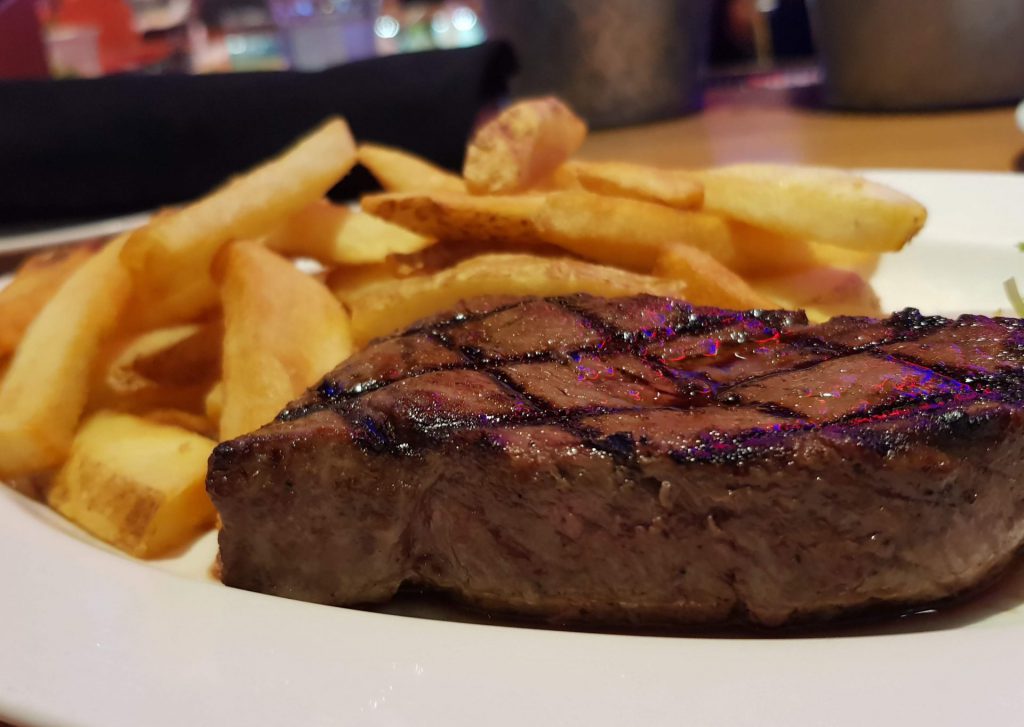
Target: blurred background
<point x="90" y="38"/>
<point x="129" y="85"/>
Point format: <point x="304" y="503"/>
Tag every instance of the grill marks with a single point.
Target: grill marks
<point x="845" y="386"/>
<point x="605" y="370"/>
<point x="522" y="332"/>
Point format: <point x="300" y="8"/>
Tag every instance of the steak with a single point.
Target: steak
<point x="640" y="461"/>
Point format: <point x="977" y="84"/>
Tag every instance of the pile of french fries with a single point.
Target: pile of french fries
<point x="122" y="365"/>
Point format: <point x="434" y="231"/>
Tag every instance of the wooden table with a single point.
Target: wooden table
<point x="751" y="124"/>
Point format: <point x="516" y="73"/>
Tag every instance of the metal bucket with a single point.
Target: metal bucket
<point x="920" y="54"/>
<point x="616" y="62"/>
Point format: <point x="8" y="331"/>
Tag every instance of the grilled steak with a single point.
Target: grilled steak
<point x="639" y="460"/>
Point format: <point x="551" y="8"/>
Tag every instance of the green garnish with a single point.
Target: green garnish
<point x="1013" y="294"/>
<point x="1020" y="246"/>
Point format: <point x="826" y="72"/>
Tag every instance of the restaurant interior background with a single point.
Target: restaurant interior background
<point x="131" y="86"/>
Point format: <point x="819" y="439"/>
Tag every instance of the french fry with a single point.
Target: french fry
<point x="760" y="253"/>
<point x="135" y="484"/>
<point x="708" y="282"/>
<point x="45" y="390"/>
<point x="336" y="234"/>
<point x="864" y="263"/>
<point x="170" y="257"/>
<point x="461" y="217"/>
<point x="190" y="421"/>
<point x="613" y="230"/>
<point x="166" y="368"/>
<point x="670" y="187"/>
<point x="190" y="354"/>
<point x="283" y="330"/>
<point x="213" y="403"/>
<point x="822" y="292"/>
<point x="400" y="171"/>
<point x="814" y="203"/>
<point x="562" y="178"/>
<point x="626" y="232"/>
<point x="522" y="146"/>
<point x="347" y="282"/>
<point x="446" y="254"/>
<point x="35" y="282"/>
<point x="387" y="306"/>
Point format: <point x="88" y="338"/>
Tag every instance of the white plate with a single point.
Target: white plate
<point x="20" y="240"/>
<point x="89" y="638"/>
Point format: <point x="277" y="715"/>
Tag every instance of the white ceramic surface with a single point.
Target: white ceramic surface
<point x="24" y="240"/>
<point x="89" y="638"/>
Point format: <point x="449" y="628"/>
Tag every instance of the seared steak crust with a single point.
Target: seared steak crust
<point x="639" y="460"/>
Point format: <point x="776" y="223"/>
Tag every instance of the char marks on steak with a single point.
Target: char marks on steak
<point x="641" y="461"/>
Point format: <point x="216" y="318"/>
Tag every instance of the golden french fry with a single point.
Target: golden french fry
<point x="445" y="254"/>
<point x="283" y="330"/>
<point x="45" y="390"/>
<point x="562" y="178"/>
<point x="814" y="203"/>
<point x="170" y="257"/>
<point x="337" y="234"/>
<point x="626" y="232"/>
<point x="346" y="282"/>
<point x="708" y="282"/>
<point x="522" y="146"/>
<point x="671" y="187"/>
<point x="387" y="306"/>
<point x="35" y="282"/>
<point x="190" y="353"/>
<point x="822" y="292"/>
<point x="166" y="368"/>
<point x="864" y="263"/>
<point x="136" y="484"/>
<point x="400" y="171"/>
<point x="213" y="403"/>
<point x="613" y="230"/>
<point x="461" y="217"/>
<point x="760" y="253"/>
<point x="190" y="421"/>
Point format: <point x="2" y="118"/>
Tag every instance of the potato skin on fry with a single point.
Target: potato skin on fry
<point x="135" y="484"/>
<point x="522" y="146"/>
<point x="614" y="230"/>
<point x="461" y="217"/>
